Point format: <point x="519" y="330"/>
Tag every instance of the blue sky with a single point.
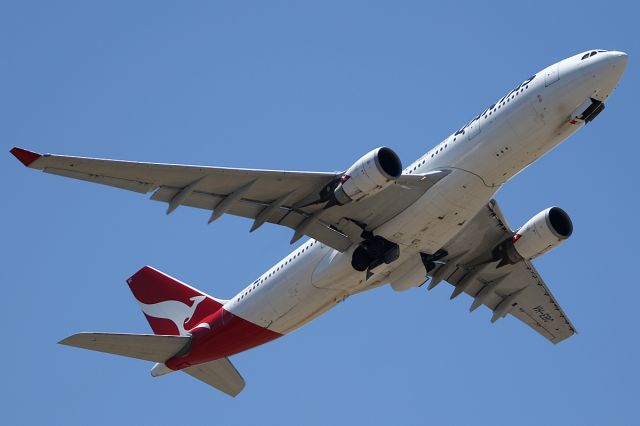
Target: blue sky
<point x="305" y="86"/>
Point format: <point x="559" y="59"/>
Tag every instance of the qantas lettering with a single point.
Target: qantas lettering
<point x="520" y="86"/>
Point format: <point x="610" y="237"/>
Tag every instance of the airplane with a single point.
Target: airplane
<point x="374" y="224"/>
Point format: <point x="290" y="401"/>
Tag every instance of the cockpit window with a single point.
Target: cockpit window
<point x="590" y="54"/>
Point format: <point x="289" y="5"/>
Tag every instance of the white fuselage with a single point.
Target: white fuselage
<point x="483" y="155"/>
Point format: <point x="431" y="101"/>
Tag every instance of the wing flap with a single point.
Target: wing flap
<point x="285" y="216"/>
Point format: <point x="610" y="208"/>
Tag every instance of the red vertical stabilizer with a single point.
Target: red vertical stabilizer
<point x="171" y="306"/>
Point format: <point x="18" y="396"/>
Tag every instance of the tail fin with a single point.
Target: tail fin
<point x="171" y="306"/>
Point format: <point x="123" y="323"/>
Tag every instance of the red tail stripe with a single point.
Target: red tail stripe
<point x="227" y="335"/>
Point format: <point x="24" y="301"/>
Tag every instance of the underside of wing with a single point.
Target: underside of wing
<point x="515" y="289"/>
<point x="297" y="200"/>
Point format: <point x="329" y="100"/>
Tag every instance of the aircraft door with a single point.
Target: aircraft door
<point x="551" y="75"/>
<point x="474" y="128"/>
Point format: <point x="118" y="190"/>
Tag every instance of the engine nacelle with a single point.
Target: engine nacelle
<point x="369" y="175"/>
<point x="542" y="233"/>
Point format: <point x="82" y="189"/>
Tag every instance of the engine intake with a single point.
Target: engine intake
<point x="372" y="173"/>
<point x="542" y="233"/>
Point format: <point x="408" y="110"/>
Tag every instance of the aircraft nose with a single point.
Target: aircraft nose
<point x="618" y="63"/>
<point x="618" y="58"/>
<point x="605" y="71"/>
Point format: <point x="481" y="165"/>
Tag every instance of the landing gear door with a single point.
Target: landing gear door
<point x="551" y="74"/>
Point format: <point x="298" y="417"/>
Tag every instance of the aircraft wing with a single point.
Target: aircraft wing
<point x="516" y="289"/>
<point x="286" y="198"/>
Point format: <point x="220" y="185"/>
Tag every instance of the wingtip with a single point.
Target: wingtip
<point x="24" y="156"/>
<point x="68" y="341"/>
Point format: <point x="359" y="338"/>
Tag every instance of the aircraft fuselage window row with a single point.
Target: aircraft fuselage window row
<point x="259" y="281"/>
<point x="485" y="114"/>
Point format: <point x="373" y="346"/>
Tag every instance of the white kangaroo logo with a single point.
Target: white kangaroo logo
<point x="178" y="312"/>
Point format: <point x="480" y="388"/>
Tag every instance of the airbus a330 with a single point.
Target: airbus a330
<point x="374" y="224"/>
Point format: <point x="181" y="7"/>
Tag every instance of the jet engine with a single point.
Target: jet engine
<point x="374" y="251"/>
<point x="372" y="173"/>
<point x="542" y="233"/>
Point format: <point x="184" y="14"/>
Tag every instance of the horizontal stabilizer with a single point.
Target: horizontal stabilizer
<point x="149" y="347"/>
<point x="220" y="374"/>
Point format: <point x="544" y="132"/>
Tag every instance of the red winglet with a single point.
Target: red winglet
<point x="25" y="157"/>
